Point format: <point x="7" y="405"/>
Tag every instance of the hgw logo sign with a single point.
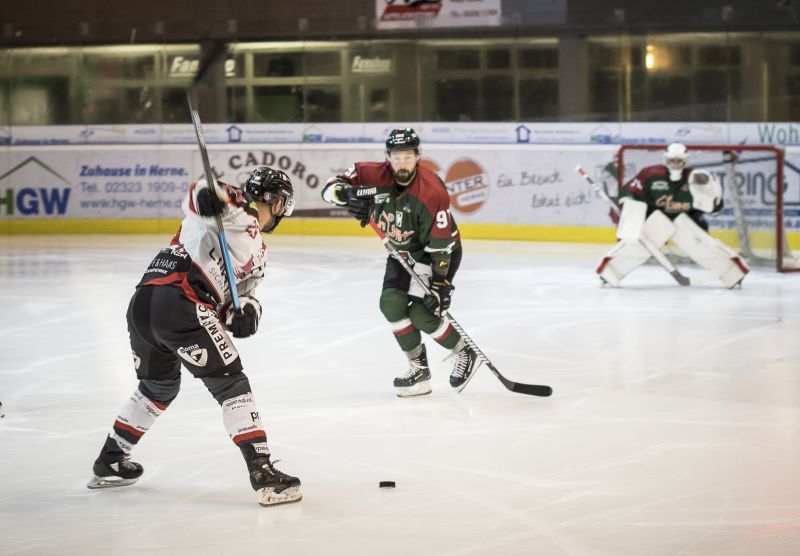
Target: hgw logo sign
<point x="34" y="200"/>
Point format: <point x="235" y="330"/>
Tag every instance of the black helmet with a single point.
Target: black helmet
<point x="265" y="185"/>
<point x="401" y="139"/>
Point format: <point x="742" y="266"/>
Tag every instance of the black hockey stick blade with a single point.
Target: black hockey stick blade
<point x="680" y="278"/>
<point x="521" y="388"/>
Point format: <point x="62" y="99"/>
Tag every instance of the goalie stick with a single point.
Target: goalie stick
<point x="646" y="243"/>
<point x="191" y="96"/>
<point x="529" y="389"/>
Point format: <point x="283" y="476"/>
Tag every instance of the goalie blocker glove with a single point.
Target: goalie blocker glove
<point x="244" y="323"/>
<point x="438" y="300"/>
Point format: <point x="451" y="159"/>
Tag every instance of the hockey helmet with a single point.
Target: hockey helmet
<point x="675" y="157"/>
<point x="265" y="185"/>
<point x="402" y="139"/>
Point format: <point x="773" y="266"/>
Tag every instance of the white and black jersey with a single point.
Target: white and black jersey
<point x="193" y="261"/>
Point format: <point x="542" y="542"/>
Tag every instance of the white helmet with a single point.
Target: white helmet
<point x="676" y="157"/>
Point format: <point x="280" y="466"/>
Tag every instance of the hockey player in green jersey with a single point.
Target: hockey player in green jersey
<point x="668" y="202"/>
<point x="409" y="204"/>
<point x="665" y="187"/>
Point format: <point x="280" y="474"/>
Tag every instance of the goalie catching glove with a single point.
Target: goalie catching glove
<point x="706" y="191"/>
<point x="438" y="300"/>
<point x="243" y="323"/>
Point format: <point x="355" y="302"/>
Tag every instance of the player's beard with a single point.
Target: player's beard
<point x="404" y="177"/>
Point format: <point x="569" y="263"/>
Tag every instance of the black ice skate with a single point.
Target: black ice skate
<point x="467" y="362"/>
<point x="273" y="486"/>
<point x="417" y="381"/>
<point x="113" y="468"/>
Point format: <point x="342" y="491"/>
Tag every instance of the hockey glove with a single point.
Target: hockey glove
<point x="438" y="301"/>
<point x="208" y="204"/>
<point x="244" y="323"/>
<point x="359" y="202"/>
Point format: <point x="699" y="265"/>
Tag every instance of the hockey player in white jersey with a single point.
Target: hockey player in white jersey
<point x="668" y="202"/>
<point x="179" y="315"/>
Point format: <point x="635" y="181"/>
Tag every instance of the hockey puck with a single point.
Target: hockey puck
<point x="386" y="484"/>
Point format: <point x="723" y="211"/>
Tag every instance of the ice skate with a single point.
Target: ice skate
<point x="273" y="486"/>
<point x="417" y="381"/>
<point x="467" y="362"/>
<point x="113" y="468"/>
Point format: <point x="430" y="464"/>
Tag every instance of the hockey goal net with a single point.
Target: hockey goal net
<point x="760" y="220"/>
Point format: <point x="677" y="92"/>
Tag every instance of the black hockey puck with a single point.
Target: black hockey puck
<point x="386" y="484"/>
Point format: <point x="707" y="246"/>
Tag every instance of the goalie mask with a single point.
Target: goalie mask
<point x="676" y="157"/>
<point x="403" y="154"/>
<point x="265" y="185"/>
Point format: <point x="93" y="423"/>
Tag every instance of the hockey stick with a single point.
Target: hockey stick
<point x="530" y="389"/>
<point x="191" y="96"/>
<point x="646" y="243"/>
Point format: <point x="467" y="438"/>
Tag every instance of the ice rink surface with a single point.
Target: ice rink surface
<point x="674" y="427"/>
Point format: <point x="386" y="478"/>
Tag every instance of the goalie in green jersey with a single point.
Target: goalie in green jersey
<point x="410" y="206"/>
<point x="668" y="202"/>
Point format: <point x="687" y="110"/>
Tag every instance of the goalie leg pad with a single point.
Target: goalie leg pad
<point x="623" y="258"/>
<point x="709" y="252"/>
<point x="658" y="228"/>
<point x="630" y="254"/>
<point x="631" y="220"/>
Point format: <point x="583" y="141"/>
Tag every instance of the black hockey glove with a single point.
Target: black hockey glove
<point x="359" y="202"/>
<point x="208" y="204"/>
<point x="244" y="323"/>
<point x="438" y="301"/>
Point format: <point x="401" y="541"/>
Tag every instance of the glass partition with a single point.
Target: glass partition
<point x="655" y="77"/>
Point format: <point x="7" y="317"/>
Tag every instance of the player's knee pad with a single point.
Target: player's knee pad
<point x="394" y="304"/>
<point x="162" y="390"/>
<point x="709" y="252"/>
<point x="224" y="387"/>
<point x="422" y="318"/>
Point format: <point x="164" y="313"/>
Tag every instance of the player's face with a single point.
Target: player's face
<point x="676" y="163"/>
<point x="403" y="163"/>
<point x="268" y="213"/>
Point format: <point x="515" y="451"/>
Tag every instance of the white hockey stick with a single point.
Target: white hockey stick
<point x="652" y="249"/>
<point x="191" y="96"/>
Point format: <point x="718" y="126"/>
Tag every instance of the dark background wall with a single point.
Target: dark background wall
<point x="50" y="22"/>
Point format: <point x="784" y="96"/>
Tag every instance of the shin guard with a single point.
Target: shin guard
<point x="136" y="417"/>
<point x="243" y="422"/>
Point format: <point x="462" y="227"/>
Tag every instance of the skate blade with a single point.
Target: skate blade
<point x="107" y="482"/>
<point x="472" y="374"/>
<point x="419" y="389"/>
<point x="268" y="497"/>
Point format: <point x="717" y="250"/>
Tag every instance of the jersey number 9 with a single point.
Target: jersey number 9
<point x="442" y="219"/>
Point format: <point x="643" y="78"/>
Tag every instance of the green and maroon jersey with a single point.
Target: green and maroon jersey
<point x="653" y="186"/>
<point x="416" y="218"/>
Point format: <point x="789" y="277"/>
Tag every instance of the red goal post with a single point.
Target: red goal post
<point x="758" y="217"/>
